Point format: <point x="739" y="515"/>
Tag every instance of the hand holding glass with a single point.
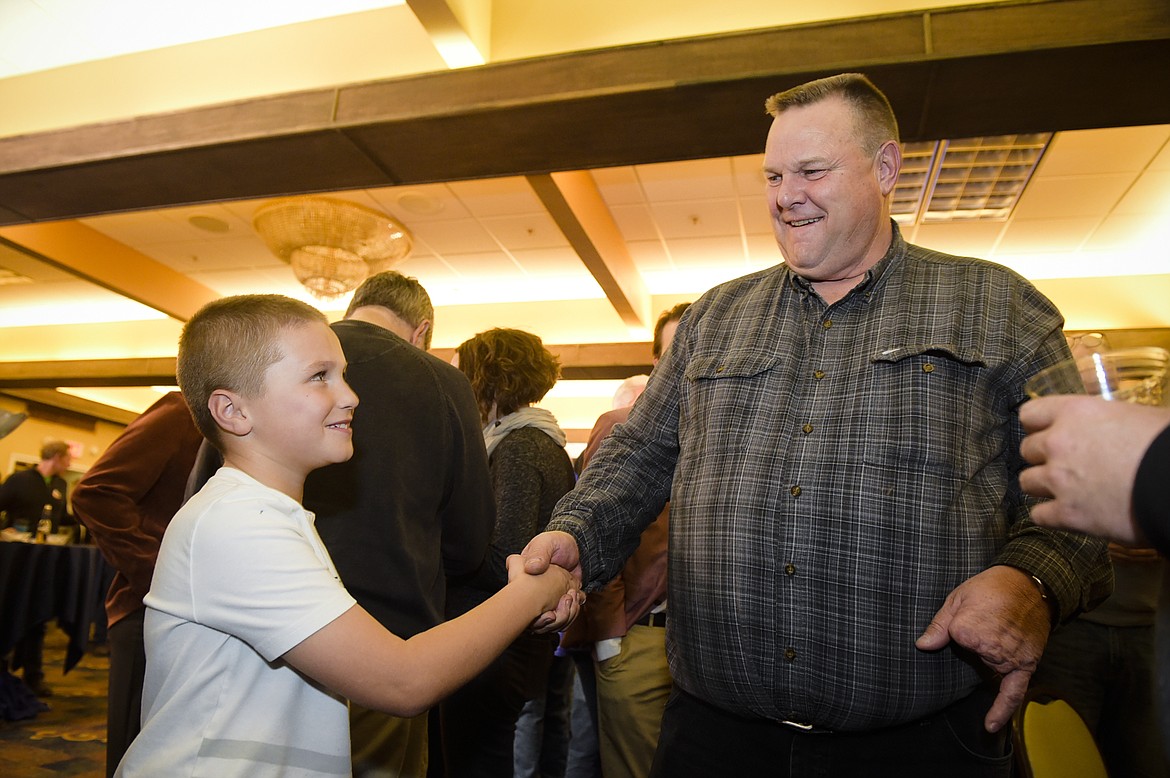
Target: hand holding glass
<point x="1136" y="375"/>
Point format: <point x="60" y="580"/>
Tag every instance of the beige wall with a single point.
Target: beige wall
<point x="25" y="441"/>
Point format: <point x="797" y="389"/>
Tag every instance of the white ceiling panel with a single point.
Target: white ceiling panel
<point x="552" y="263"/>
<point x="690" y="180"/>
<point x="526" y="231"/>
<point x="1149" y="196"/>
<point x="754" y="212"/>
<point x="619" y="185"/>
<point x="1117" y="232"/>
<point x="650" y="256"/>
<point x="762" y="252"/>
<point x="414" y="204"/>
<point x="497" y="196"/>
<point x="454" y="236"/>
<point x="193" y="256"/>
<point x="717" y="253"/>
<point x="1025" y="236"/>
<point x="697" y="219"/>
<point x="1112" y="150"/>
<point x="635" y="222"/>
<point x="976" y="238"/>
<point x="748" y="172"/>
<point x="1086" y="196"/>
<point x="428" y="266"/>
<point x="484" y="264"/>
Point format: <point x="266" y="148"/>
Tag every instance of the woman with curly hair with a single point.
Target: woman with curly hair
<point x="509" y="370"/>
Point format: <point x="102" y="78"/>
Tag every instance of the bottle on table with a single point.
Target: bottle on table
<point x="45" y="523"/>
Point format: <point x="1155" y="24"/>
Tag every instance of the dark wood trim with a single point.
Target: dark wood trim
<point x="1033" y="65"/>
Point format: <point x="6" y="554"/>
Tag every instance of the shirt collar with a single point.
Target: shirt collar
<point x="873" y="276"/>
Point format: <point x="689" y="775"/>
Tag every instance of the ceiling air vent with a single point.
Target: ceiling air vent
<point x="968" y="179"/>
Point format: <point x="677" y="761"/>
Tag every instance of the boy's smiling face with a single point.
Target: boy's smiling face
<point x="302" y="420"/>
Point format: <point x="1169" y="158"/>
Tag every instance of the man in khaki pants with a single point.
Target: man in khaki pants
<point x="626" y="623"/>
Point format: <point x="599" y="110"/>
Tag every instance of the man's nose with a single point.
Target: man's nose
<point x="788" y="192"/>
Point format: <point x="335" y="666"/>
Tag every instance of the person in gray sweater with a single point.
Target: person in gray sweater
<point x="530" y="470"/>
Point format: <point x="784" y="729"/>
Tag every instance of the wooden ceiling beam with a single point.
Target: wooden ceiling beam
<point x="461" y="32"/>
<point x="575" y="203"/>
<point x="578" y="361"/>
<point x="86" y="409"/>
<point x="149" y="371"/>
<point x="83" y="251"/>
<point x="998" y="68"/>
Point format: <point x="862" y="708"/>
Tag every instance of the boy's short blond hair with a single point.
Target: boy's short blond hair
<point x="229" y="344"/>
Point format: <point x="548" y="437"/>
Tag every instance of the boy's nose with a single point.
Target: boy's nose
<point x="348" y="398"/>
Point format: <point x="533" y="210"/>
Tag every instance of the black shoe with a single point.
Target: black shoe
<point x="39" y="688"/>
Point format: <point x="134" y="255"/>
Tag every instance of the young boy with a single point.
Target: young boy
<point x="252" y="643"/>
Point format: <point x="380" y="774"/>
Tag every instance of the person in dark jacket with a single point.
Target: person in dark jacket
<point x="1105" y="466"/>
<point x="413" y="507"/>
<point x="27" y="497"/>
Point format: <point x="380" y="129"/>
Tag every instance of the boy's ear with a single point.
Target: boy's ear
<point x="228" y="412"/>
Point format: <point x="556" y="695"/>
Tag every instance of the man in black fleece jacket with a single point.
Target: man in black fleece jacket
<point x="414" y="505"/>
<point x="1106" y="466"/>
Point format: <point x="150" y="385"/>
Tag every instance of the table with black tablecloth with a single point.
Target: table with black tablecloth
<point x="40" y="582"/>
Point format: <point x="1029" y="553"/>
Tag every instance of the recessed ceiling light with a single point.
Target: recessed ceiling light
<point x="209" y="224"/>
<point x="419" y="203"/>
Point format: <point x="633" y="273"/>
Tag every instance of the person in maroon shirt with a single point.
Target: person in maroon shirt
<point x="624" y="625"/>
<point x="127" y="500"/>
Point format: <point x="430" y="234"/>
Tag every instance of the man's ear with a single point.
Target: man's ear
<point x="229" y="413"/>
<point x="889" y="164"/>
<point x="418" y="338"/>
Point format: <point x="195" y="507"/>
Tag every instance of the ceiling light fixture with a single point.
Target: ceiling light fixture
<point x="332" y="245"/>
<point x="969" y="179"/>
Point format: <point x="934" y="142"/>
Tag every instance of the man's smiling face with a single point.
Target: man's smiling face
<point x="826" y="194"/>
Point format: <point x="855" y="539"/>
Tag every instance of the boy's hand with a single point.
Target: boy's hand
<point x="559" y="549"/>
<point x="562" y="590"/>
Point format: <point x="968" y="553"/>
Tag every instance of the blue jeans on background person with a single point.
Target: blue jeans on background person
<point x="699" y="740"/>
<point x="584" y="759"/>
<point x="543" y="730"/>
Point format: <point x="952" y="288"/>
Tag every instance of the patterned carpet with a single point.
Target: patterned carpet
<point x="69" y="739"/>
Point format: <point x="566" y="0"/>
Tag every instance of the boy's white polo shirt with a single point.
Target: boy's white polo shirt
<point x="241" y="578"/>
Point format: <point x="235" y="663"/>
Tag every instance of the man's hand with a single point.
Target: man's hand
<point x="1000" y="616"/>
<point x="1086" y="452"/>
<point x="557" y="548"/>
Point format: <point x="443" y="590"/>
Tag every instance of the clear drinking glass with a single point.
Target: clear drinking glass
<point x="1137" y="375"/>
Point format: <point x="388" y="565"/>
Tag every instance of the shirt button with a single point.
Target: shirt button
<point x="790" y="653"/>
<point x="790" y="569"/>
<point x="795" y="491"/>
<point x="807" y="428"/>
<point x="928" y="368"/>
<point x="827" y="323"/>
<point x="721" y="368"/>
<point x="818" y="374"/>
